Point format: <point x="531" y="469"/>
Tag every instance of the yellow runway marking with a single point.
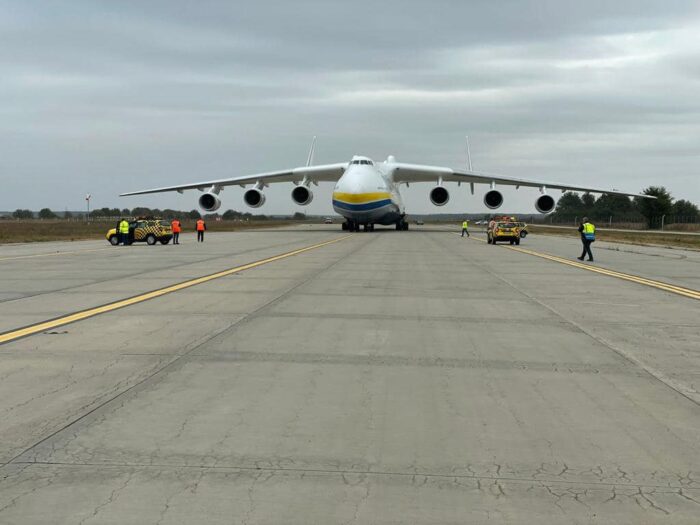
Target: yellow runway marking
<point x="53" y="254"/>
<point x="91" y="312"/>
<point x="660" y="285"/>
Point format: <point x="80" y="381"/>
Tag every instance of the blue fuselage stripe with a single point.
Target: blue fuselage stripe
<point x="361" y="207"/>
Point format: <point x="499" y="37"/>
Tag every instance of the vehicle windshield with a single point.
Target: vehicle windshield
<point x="506" y="225"/>
<point x="164" y="223"/>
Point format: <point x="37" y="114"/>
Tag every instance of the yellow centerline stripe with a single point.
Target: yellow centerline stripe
<point x="660" y="285"/>
<point x="91" y="312"/>
<point x="53" y="254"/>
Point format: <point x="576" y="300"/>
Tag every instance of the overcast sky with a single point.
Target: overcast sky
<point x="106" y="97"/>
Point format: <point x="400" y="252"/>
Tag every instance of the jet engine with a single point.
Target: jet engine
<point x="254" y="198"/>
<point x="302" y="195"/>
<point x="545" y="204"/>
<point x="439" y="196"/>
<point x="493" y="199"/>
<point x="209" y="202"/>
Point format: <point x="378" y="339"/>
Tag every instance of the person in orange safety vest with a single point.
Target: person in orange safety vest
<point x="177" y="228"/>
<point x="201" y="227"/>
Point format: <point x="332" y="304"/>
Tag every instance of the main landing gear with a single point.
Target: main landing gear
<point x="402" y="225"/>
<point x="354" y="226"/>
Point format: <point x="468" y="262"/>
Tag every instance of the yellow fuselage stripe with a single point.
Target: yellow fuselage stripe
<point x="360" y="198"/>
<point x="85" y="314"/>
<point x="659" y="285"/>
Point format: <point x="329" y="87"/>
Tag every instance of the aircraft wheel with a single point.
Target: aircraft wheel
<point x="344" y="226"/>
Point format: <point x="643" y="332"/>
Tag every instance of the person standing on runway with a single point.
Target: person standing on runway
<point x="587" y="231"/>
<point x="201" y="228"/>
<point x="177" y="228"/>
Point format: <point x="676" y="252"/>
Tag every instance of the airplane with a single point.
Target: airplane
<point x="367" y="193"/>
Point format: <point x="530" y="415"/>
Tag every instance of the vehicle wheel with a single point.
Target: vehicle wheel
<point x="151" y="240"/>
<point x="517" y="242"/>
<point x="114" y="240"/>
<point x="164" y="241"/>
<point x="523" y="234"/>
<point x="512" y="242"/>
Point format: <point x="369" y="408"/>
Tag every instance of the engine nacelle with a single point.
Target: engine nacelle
<point x="493" y="199"/>
<point x="545" y="204"/>
<point x="209" y="202"/>
<point x="254" y="198"/>
<point x="302" y="195"/>
<point x="439" y="196"/>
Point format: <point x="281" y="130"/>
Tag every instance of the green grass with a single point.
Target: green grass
<point x="68" y="230"/>
<point x="643" y="239"/>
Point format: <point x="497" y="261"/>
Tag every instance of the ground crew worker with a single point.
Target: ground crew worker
<point x="201" y="227"/>
<point x="124" y="232"/>
<point x="587" y="231"/>
<point x="465" y="227"/>
<point x="177" y="228"/>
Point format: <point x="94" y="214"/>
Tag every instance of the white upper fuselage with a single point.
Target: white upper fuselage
<point x="366" y="193"/>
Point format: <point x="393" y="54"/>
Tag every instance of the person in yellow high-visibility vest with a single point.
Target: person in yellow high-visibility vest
<point x="587" y="231"/>
<point x="465" y="227"/>
<point x="124" y="231"/>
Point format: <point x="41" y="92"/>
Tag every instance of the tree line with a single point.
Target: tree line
<point x="228" y="215"/>
<point x="619" y="208"/>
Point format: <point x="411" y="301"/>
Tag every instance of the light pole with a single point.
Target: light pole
<point x="87" y="200"/>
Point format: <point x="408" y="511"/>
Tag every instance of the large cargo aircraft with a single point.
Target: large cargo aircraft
<point x="367" y="193"/>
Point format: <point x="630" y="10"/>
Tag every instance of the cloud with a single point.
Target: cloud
<point x="108" y="97"/>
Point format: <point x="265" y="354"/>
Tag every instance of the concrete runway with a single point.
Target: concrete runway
<point x="390" y="377"/>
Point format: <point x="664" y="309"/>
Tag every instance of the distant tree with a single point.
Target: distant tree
<point x="588" y="203"/>
<point x="126" y="212"/>
<point x="230" y="215"/>
<point x="194" y="214"/>
<point x="46" y="213"/>
<point x="23" y="214"/>
<point x="141" y="212"/>
<point x="569" y="206"/>
<point x="685" y="211"/>
<point x="653" y="209"/>
<point x="608" y="205"/>
<point x="299" y="216"/>
<point x="212" y="216"/>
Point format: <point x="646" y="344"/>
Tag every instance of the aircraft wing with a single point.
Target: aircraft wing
<point x="319" y="173"/>
<point x="408" y="173"/>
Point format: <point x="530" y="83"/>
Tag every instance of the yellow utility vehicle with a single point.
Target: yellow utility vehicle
<point x="503" y="231"/>
<point x="149" y="231"/>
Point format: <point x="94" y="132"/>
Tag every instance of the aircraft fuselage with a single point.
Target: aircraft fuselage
<point x="366" y="194"/>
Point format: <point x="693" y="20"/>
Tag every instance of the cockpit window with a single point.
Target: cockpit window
<point x="364" y="162"/>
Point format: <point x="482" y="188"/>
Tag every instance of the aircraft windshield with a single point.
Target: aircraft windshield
<point x="367" y="162"/>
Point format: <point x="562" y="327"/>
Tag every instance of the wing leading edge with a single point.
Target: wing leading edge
<point x="408" y="173"/>
<point x="320" y="173"/>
